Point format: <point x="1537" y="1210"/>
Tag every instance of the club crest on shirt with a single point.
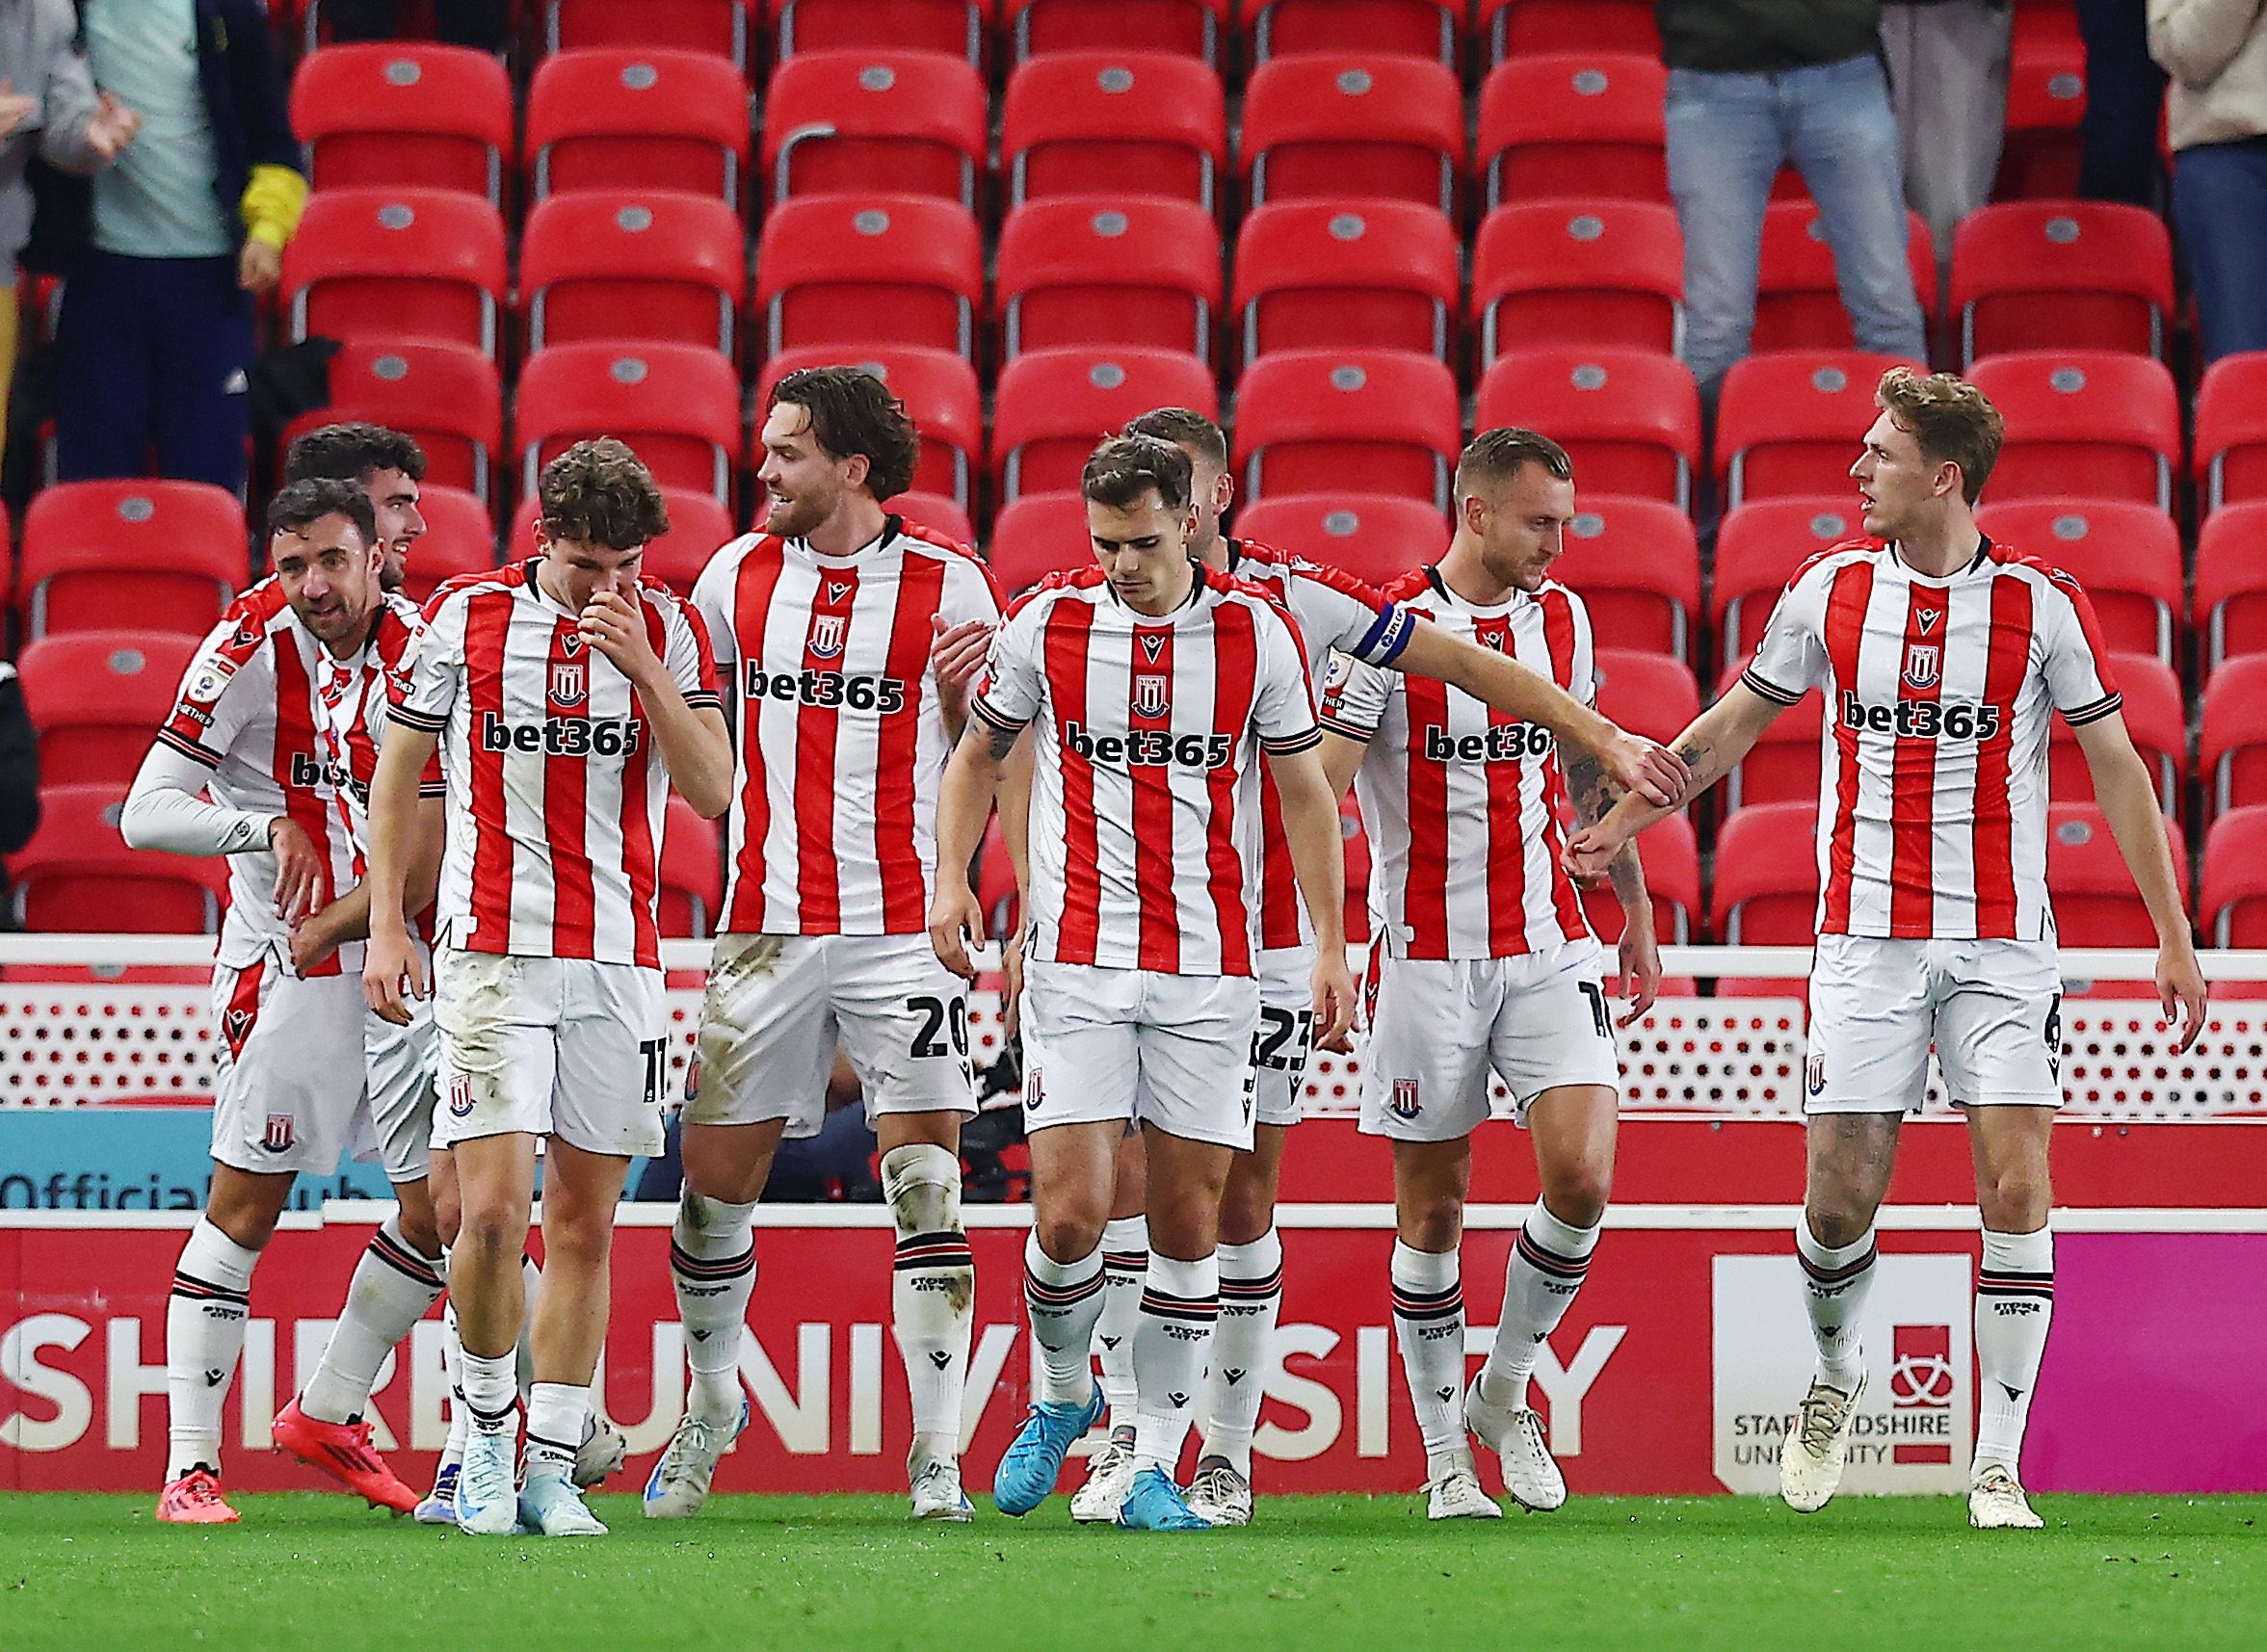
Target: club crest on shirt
<point x="827" y="633"/>
<point x="571" y="682"/>
<point x="1921" y="664"/>
<point x="1404" y="1103"/>
<point x="1148" y="696"/>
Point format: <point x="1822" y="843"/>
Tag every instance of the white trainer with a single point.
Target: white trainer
<point x="1997" y="1504"/>
<point x="1109" y="1476"/>
<point x="1455" y="1494"/>
<point x="1220" y="1494"/>
<point x="680" y="1483"/>
<point x="552" y="1506"/>
<point x="602" y="1452"/>
<point x="488" y="1493"/>
<point x="1810" y="1462"/>
<point x="937" y="1494"/>
<point x="1530" y="1476"/>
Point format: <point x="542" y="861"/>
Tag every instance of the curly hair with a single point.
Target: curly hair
<point x="853" y="411"/>
<point x="1954" y="422"/>
<point x="300" y="505"/>
<point x="599" y="492"/>
<point x="351" y="450"/>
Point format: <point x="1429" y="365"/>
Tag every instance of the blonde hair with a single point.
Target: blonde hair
<point x="1954" y="422"/>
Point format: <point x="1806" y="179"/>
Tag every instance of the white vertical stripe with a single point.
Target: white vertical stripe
<point x="1881" y="662"/>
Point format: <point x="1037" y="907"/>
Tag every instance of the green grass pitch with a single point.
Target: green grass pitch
<point x="1321" y="1574"/>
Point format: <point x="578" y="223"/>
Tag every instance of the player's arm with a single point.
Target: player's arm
<point x="1014" y="803"/>
<point x="1342" y="756"/>
<point x="1712" y="748"/>
<point x="166" y="810"/>
<point x="691" y="738"/>
<point x="391" y="973"/>
<point x="1594" y="795"/>
<point x="965" y="799"/>
<point x="1318" y="860"/>
<point x="348" y="918"/>
<point x="2129" y="801"/>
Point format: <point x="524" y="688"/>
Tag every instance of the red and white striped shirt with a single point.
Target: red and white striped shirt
<point x="1144" y="813"/>
<point x="352" y="697"/>
<point x="1932" y="809"/>
<point x="556" y="788"/>
<point x="841" y="739"/>
<point x="1336" y="614"/>
<point x="246" y="710"/>
<point x="1465" y="804"/>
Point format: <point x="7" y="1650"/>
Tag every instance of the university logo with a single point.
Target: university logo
<point x="1920" y="1385"/>
<point x="278" y="1138"/>
<point x="1404" y="1103"/>
<point x="826" y="632"/>
<point x="1148" y="696"/>
<point x="1921" y="661"/>
<point x="571" y="682"/>
<point x="459" y="1095"/>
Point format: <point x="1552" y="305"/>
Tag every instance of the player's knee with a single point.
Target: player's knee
<point x="1835" y="1222"/>
<point x="1577" y="1194"/>
<point x="492" y="1229"/>
<point x="2016" y="1199"/>
<point x="1436" y="1224"/>
<point x="922" y="1183"/>
<point x="420" y="1231"/>
<point x="1066" y="1235"/>
<point x="1245" y="1212"/>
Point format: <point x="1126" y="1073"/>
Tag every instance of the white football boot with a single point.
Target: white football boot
<point x="602" y="1452"/>
<point x="1531" y="1476"/>
<point x="937" y="1491"/>
<point x="1997" y="1504"/>
<point x="1109" y="1475"/>
<point x="551" y="1505"/>
<point x="1454" y="1493"/>
<point x="1811" y="1463"/>
<point x="680" y="1483"/>
<point x="488" y="1492"/>
<point x="1220" y="1495"/>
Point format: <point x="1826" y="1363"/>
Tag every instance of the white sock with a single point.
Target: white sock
<point x="2015" y="1307"/>
<point x="1180" y="1303"/>
<point x="492" y="1391"/>
<point x="204" y="1335"/>
<point x="1835" y="1278"/>
<point x="933" y="1290"/>
<point x="1243" y="1346"/>
<point x="1429" y="1325"/>
<point x="558" y="1414"/>
<point x="712" y="1264"/>
<point x="453" y="1360"/>
<point x="1064" y="1299"/>
<point x="1547" y="1265"/>
<point x="390" y="1291"/>
<point x="1125" y="1262"/>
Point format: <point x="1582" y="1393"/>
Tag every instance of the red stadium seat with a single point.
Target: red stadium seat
<point x="1308" y="419"/>
<point x="954" y="26"/>
<point x="2156" y="717"/>
<point x="403" y="114"/>
<point x="2095" y="901"/>
<point x="445" y="395"/>
<point x="698" y="526"/>
<point x="725" y="28"/>
<point x="636" y="119"/>
<point x="2045" y="98"/>
<point x="677" y="404"/>
<point x="1053" y="405"/>
<point x="1152" y="123"/>
<point x="2231" y="582"/>
<point x="460" y="538"/>
<point x="1573" y="123"/>
<point x="1187" y="28"/>
<point x="2232" y="429"/>
<point x="1377" y="275"/>
<point x="2100" y="422"/>
<point x="1372" y="536"/>
<point x="1086" y="271"/>
<point x="1793" y="421"/>
<point x="172" y="555"/>
<point x="2062" y="275"/>
<point x="97" y="698"/>
<point x="1638" y="570"/>
<point x="937" y="387"/>
<point x="1517" y="28"/>
<point x="649" y="265"/>
<point x="2126" y="555"/>
<point x="1039" y="534"/>
<point x="1592" y="272"/>
<point x="77" y="875"/>
<point x="1646" y="694"/>
<point x="857" y="273"/>
<point x="1630" y="419"/>
<point x="1759" y="548"/>
<point x="1766" y="892"/>
<point x="1671" y="854"/>
<point x="1407" y="28"/>
<point x="1798" y="305"/>
<point x="396" y="263"/>
<point x="1783" y="766"/>
<point x="2233" y="902"/>
<point x="691" y="886"/>
<point x="2231" y="753"/>
<point x="1348" y="125"/>
<point x="937" y="513"/>
<point x="876" y="121"/>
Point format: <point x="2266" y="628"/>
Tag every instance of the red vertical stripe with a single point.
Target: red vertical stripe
<point x="1424" y="897"/>
<point x="567" y="803"/>
<point x="1068" y="624"/>
<point x="1153" y="856"/>
<point x="296" y="737"/>
<point x="1558" y="635"/>
<point x="1845" y="635"/>
<point x="640" y="862"/>
<point x="1507" y="836"/>
<point x="1279" y="880"/>
<point x="2004" y="670"/>
<point x="920" y="593"/>
<point x="1912" y="772"/>
<point x="1235" y="685"/>
<point x="487" y="630"/>
<point x="752" y="609"/>
<point x="817" y="730"/>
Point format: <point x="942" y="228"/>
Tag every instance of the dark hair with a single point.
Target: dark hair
<point x="1183" y="426"/>
<point x="1124" y="468"/>
<point x="599" y="492"/>
<point x="300" y="505"/>
<point x="1954" y="422"/>
<point x="852" y="411"/>
<point x="351" y="450"/>
<point x="1496" y="456"/>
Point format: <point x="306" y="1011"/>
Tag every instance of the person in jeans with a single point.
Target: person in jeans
<point x="2125" y="101"/>
<point x="2216" y="51"/>
<point x="1757" y="83"/>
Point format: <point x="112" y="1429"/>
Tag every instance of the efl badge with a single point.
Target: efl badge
<point x="1920" y="665"/>
<point x="826" y="631"/>
<point x="1814" y="1074"/>
<point x="571" y="682"/>
<point x="1404" y="1103"/>
<point x="459" y="1095"/>
<point x="278" y="1136"/>
<point x="1148" y="696"/>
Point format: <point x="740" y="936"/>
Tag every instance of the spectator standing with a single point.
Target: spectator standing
<point x="2216" y="51"/>
<point x="1757" y="83"/>
<point x="186" y="230"/>
<point x="485" y="25"/>
<point x="2124" y="95"/>
<point x="1948" y="62"/>
<point x="20" y="775"/>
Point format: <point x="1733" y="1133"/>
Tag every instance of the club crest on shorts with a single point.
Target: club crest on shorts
<point x="827" y="634"/>
<point x="571" y="682"/>
<point x="1814" y="1073"/>
<point x="1404" y="1103"/>
<point x="1148" y="696"/>
<point x="1034" y="1089"/>
<point x="459" y="1095"/>
<point x="278" y="1136"/>
<point x="1921" y="663"/>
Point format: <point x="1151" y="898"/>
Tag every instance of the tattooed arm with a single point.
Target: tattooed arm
<point x="1712" y="747"/>
<point x="1594" y="795"/>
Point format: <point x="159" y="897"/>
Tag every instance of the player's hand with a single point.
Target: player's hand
<point x="1012" y="984"/>
<point x="1641" y="970"/>
<point x="15" y="106"/>
<point x="112" y="127"/>
<point x="955" y="918"/>
<point x="392" y="973"/>
<point x="617" y="629"/>
<point x="312" y="943"/>
<point x="258" y="267"/>
<point x="2181" y="990"/>
<point x="955" y="654"/>
<point x="1589" y="852"/>
<point x="299" y="869"/>
<point x="1334" y="999"/>
<point x="1651" y="770"/>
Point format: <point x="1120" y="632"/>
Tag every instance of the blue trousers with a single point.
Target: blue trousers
<point x="2219" y="208"/>
<point x="2124" y="96"/>
<point x="151" y="355"/>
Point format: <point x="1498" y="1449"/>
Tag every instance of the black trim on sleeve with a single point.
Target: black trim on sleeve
<point x="187" y="748"/>
<point x="416" y="720"/>
<point x="441" y="790"/>
<point x="1769" y="691"/>
<point x="1292" y="745"/>
<point x="1345" y="730"/>
<point x="2081" y="716"/>
<point x="705" y="699"/>
<point x="1005" y="725"/>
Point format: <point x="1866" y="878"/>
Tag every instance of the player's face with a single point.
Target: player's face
<point x="1521" y="526"/>
<point x="575" y="570"/>
<point x="1143" y="551"/>
<point x="1212" y="492"/>
<point x="1895" y="484"/>
<point x="805" y="482"/>
<point x="330" y="577"/>
<point x="400" y="523"/>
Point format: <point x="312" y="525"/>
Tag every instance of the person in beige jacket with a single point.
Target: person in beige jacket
<point x="2216" y="52"/>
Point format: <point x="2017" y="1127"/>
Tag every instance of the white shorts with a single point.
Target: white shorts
<point x="402" y="1062"/>
<point x="290" y="1094"/>
<point x="548" y="1046"/>
<point x="777" y="1007"/>
<point x="1286" y="1034"/>
<point x="1991" y="1009"/>
<point x="1438" y="1026"/>
<point x="1112" y="1045"/>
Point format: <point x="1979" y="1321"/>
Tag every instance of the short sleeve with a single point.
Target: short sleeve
<point x="688" y="656"/>
<point x="1282" y="701"/>
<point x="1341" y="613"/>
<point x="223" y="690"/>
<point x="1012" y="687"/>
<point x="1353" y="699"/>
<point x="1583" y="670"/>
<point x="2076" y="666"/>
<point x="1791" y="658"/>
<point x="712" y="601"/>
<point x="969" y="593"/>
<point x="433" y="670"/>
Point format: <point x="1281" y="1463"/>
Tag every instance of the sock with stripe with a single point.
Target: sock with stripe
<point x="1549" y="1261"/>
<point x="1064" y="1299"/>
<point x="1429" y="1325"/>
<point x="712" y="1264"/>
<point x="2015" y="1305"/>
<point x="492" y="1390"/>
<point x="1180" y="1303"/>
<point x="558" y="1413"/>
<point x="204" y="1335"/>
<point x="453" y="1361"/>
<point x="390" y="1291"/>
<point x="531" y="1287"/>
<point x="932" y="1292"/>
<point x="1835" y="1278"/>
<point x="1243" y="1346"/>
<point x="1125" y="1262"/>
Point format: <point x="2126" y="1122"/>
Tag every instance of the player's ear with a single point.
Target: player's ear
<point x="1223" y="492"/>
